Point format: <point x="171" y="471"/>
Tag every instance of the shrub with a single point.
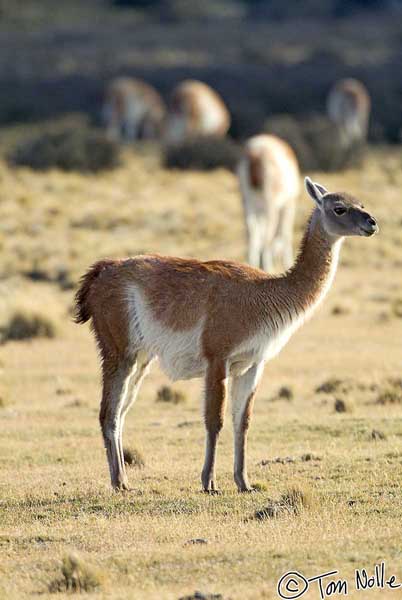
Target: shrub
<point x="277" y="9"/>
<point x="247" y="119"/>
<point x="133" y="458"/>
<point x="377" y="435"/>
<point x="397" y="308"/>
<point x="202" y="596"/>
<point x="203" y="154"/>
<point x="390" y="396"/>
<point x="183" y="10"/>
<point x="292" y="502"/>
<point x="296" y="498"/>
<point x="342" y="406"/>
<point x="61" y="276"/>
<point x="76" y="577"/>
<point x="24" y="325"/>
<point x="284" y="393"/>
<point x="316" y="142"/>
<point x="333" y="385"/>
<point x="325" y="140"/>
<point x="167" y="394"/>
<point x="141" y="4"/>
<point x="289" y="129"/>
<point x="72" y="149"/>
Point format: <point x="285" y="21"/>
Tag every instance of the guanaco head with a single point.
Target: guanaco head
<point x="341" y="214"/>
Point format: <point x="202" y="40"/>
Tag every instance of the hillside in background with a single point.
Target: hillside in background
<point x="56" y="58"/>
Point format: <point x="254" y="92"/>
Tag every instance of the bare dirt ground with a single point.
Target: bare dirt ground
<point x="54" y="485"/>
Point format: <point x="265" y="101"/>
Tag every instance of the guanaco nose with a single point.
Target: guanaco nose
<point x="371" y="222"/>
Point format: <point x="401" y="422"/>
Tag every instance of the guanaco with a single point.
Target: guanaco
<point x="348" y="106"/>
<point x="132" y="110"/>
<point x="217" y="319"/>
<point x="195" y="109"/>
<point x="269" y="180"/>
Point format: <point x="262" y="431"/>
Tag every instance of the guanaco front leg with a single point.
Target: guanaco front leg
<point x="255" y="239"/>
<point x="271" y="225"/>
<point x="215" y="397"/>
<point x="242" y="391"/>
<point x="283" y="243"/>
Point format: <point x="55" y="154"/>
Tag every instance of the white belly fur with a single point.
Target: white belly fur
<point x="179" y="353"/>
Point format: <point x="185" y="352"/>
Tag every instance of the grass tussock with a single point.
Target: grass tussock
<point x="25" y="325"/>
<point x="259" y="486"/>
<point x="343" y="406"/>
<point x="4" y="403"/>
<point x="133" y="458"/>
<point x="340" y="310"/>
<point x="285" y="460"/>
<point x="202" y="596"/>
<point x="76" y="577"/>
<point x="391" y="395"/>
<point x="292" y="502"/>
<point x="390" y="392"/>
<point x="334" y="385"/>
<point x="70" y="150"/>
<point x="60" y="276"/>
<point x="196" y="542"/>
<point x="169" y="395"/>
<point x="376" y="435"/>
<point x="284" y="393"/>
<point x="397" y="308"/>
<point x="203" y="154"/>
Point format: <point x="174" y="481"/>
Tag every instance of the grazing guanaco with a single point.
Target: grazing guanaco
<point x="348" y="106"/>
<point x="269" y="179"/>
<point x="132" y="110"/>
<point x="217" y="319"/>
<point x="195" y="109"/>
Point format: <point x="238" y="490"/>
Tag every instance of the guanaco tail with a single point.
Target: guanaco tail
<point x="217" y="319"/>
<point x="269" y="180"/>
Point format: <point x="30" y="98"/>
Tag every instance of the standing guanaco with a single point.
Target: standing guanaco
<point x="348" y="106"/>
<point x="195" y="109"/>
<point x="132" y="110"/>
<point x="217" y="319"/>
<point x="270" y="184"/>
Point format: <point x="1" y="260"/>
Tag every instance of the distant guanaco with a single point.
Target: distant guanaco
<point x="133" y="109"/>
<point x="195" y="109"/>
<point x="270" y="184"/>
<point x="217" y="319"/>
<point x="348" y="106"/>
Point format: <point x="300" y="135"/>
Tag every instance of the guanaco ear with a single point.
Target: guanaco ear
<point x="315" y="190"/>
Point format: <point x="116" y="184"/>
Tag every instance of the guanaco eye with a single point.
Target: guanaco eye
<point x="339" y="210"/>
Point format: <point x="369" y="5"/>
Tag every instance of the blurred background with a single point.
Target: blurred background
<point x="70" y="193"/>
<point x="263" y="56"/>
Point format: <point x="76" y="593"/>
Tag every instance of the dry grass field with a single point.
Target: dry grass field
<point x="55" y="499"/>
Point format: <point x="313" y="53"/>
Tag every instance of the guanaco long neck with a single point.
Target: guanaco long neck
<point x="303" y="287"/>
